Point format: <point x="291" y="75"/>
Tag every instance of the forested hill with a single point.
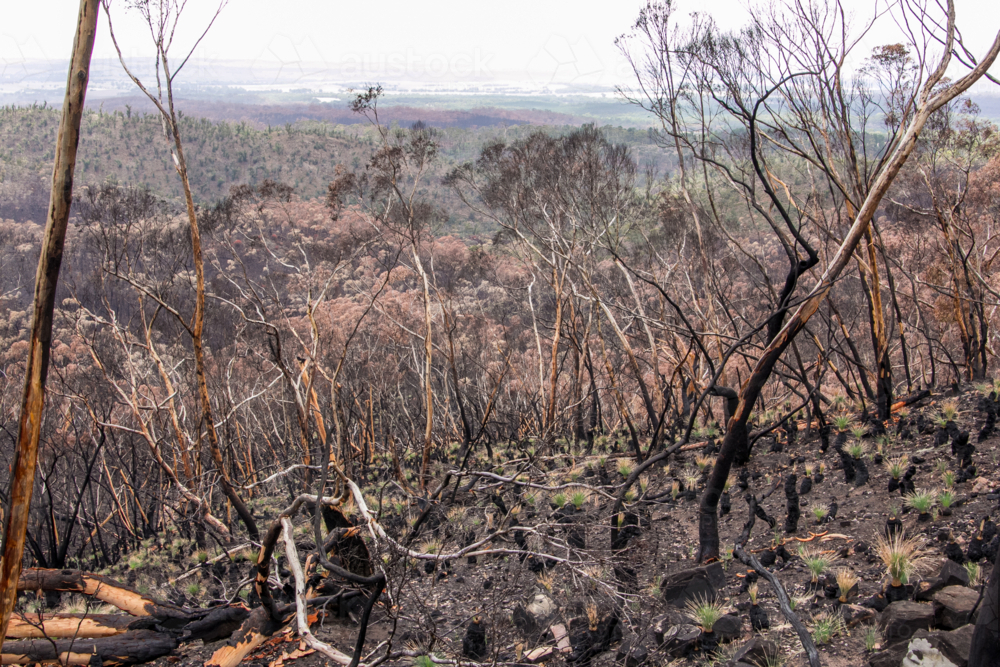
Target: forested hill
<point x="129" y="147"/>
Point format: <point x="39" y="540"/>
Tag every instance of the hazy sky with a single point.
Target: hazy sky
<point x="564" y="39"/>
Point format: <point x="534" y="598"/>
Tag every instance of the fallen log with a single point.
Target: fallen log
<point x="254" y="631"/>
<point x="103" y="588"/>
<point x="219" y="623"/>
<point x="907" y="401"/>
<point x="81" y="626"/>
<point x="127" y="649"/>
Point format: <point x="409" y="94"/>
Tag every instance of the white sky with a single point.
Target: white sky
<point x="467" y="39"/>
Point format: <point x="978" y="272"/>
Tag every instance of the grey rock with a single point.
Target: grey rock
<point x="890" y="657"/>
<point x="920" y="653"/>
<point x="901" y="620"/>
<point x="524" y="621"/>
<point x="855" y="614"/>
<point x="680" y="640"/>
<point x="951" y="574"/>
<point x="631" y="654"/>
<point x="953" y="606"/>
<point x="542" y="608"/>
<point x="532" y="619"/>
<point x="658" y="626"/>
<point x="954" y="645"/>
<point x="756" y="651"/>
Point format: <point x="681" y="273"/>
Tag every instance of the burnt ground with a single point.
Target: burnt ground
<point x="430" y="605"/>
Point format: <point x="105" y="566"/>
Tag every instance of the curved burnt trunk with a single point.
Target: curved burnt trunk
<point x="986" y="636"/>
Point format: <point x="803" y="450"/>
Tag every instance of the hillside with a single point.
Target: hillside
<point x="235" y="145"/>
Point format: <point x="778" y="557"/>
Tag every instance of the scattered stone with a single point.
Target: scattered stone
<point x="757" y="651"/>
<point x="856" y="614"/>
<point x="680" y="640"/>
<point x="891" y="656"/>
<point x="659" y="626"/>
<point x="981" y="485"/>
<point x="561" y="637"/>
<point x="631" y="654"/>
<point x="951" y="574"/>
<point x="902" y="619"/>
<point x="542" y="608"/>
<point x="920" y="653"/>
<point x="531" y="620"/>
<point x="954" y="645"/>
<point x="953" y="606"/>
<point x="539" y="654"/>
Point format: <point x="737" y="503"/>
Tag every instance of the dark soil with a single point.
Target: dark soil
<point x="609" y="601"/>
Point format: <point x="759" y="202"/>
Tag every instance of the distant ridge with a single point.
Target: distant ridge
<point x="260" y="116"/>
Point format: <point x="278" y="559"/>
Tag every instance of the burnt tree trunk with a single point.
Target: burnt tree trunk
<point x="708" y="525"/>
<point x="128" y="649"/>
<point x="46" y="281"/>
<point x="986" y="636"/>
<point x="104" y="589"/>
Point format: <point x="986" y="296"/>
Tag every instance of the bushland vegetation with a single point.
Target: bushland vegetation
<point x="573" y="395"/>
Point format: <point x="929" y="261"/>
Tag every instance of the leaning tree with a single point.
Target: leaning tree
<point x="780" y="97"/>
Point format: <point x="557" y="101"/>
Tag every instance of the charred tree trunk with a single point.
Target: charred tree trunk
<point x="986" y="636"/>
<point x="46" y="280"/>
<point x="128" y="649"/>
<point x="104" y="589"/>
<point x="708" y="526"/>
<point x="871" y="285"/>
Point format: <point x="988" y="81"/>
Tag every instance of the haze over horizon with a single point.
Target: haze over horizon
<point x="520" y="46"/>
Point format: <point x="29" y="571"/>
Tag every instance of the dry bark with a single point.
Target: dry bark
<point x="254" y="632"/>
<point x="128" y="649"/>
<point x="62" y="626"/>
<point x="104" y="589"/>
<point x="46" y="280"/>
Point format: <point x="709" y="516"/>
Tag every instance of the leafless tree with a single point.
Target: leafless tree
<point x="162" y="18"/>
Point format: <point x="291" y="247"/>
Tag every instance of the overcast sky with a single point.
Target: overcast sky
<point x="565" y="38"/>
